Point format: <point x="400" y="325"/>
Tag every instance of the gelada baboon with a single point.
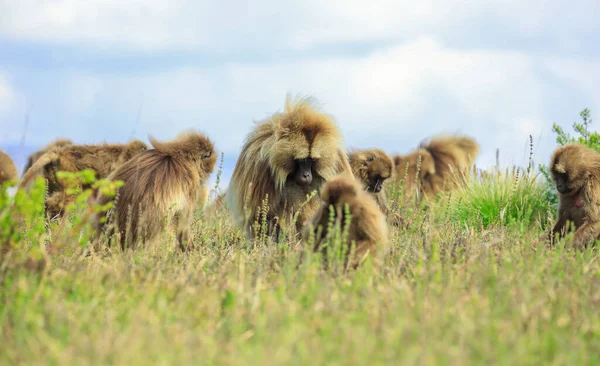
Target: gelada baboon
<point x="442" y="164"/>
<point x="286" y="157"/>
<point x="36" y="155"/>
<point x="575" y="169"/>
<point x="8" y="170"/>
<point x="373" y="168"/>
<point x="102" y="159"/>
<point x="367" y="230"/>
<point x="162" y="182"/>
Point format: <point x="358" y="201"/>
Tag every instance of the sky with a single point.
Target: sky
<point x="392" y="73"/>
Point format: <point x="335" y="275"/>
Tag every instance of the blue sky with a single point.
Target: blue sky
<point x="390" y="72"/>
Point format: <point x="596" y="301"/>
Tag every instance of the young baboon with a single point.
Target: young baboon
<point x="374" y="167"/>
<point x="367" y="228"/>
<point x="575" y="169"/>
<point x="286" y="157"/>
<point x="102" y="159"/>
<point x="8" y="170"/>
<point x="162" y="182"/>
<point x="442" y="163"/>
<point x="60" y="142"/>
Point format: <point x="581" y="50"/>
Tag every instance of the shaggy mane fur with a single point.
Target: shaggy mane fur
<point x="444" y="162"/>
<point x="170" y="176"/>
<point x="267" y="160"/>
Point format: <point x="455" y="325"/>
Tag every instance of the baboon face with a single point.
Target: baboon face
<point x="208" y="156"/>
<point x="568" y="169"/>
<point x="137" y="147"/>
<point x="373" y="167"/>
<point x="301" y="154"/>
<point x="302" y="174"/>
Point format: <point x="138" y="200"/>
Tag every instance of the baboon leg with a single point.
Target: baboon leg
<point x="586" y="234"/>
<point x="559" y="228"/>
<point x="362" y="249"/>
<point x="184" y="232"/>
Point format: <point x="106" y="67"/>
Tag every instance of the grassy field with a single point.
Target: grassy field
<point x="467" y="283"/>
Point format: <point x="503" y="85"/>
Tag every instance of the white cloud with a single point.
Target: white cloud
<point x="581" y="73"/>
<point x="228" y="24"/>
<point x="392" y="98"/>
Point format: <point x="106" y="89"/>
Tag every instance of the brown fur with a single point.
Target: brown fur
<point x="268" y="162"/>
<point x="38" y="154"/>
<point x="444" y="162"/>
<point x="8" y="170"/>
<point x="374" y="168"/>
<point x="102" y="159"/>
<point x="575" y="170"/>
<point x="368" y="229"/>
<point x="164" y="181"/>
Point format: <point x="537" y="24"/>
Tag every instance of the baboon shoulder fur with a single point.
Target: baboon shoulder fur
<point x="36" y="155"/>
<point x="102" y="159"/>
<point x="166" y="180"/>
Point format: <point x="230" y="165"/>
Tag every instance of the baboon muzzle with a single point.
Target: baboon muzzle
<point x="561" y="185"/>
<point x="303" y="174"/>
<point x="376" y="188"/>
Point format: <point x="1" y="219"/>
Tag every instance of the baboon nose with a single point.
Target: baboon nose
<point x="304" y="179"/>
<point x="377" y="187"/>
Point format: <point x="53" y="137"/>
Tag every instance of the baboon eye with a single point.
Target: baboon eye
<point x="371" y="158"/>
<point x="207" y="154"/>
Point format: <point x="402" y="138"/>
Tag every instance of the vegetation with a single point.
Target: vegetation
<point x="467" y="283"/>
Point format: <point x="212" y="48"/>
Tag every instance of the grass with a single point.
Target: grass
<point x="514" y="197"/>
<point x="448" y="293"/>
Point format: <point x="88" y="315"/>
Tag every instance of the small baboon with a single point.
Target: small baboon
<point x="285" y="158"/>
<point x="575" y="169"/>
<point x="374" y="167"/>
<point x="442" y="164"/>
<point x="367" y="229"/>
<point x="102" y="159"/>
<point x="162" y="182"/>
<point x="60" y="142"/>
<point x="8" y="170"/>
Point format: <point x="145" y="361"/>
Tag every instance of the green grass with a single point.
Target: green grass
<point x="448" y="293"/>
<point x="511" y="197"/>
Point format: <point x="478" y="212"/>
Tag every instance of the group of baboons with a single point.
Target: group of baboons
<point x="293" y="172"/>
